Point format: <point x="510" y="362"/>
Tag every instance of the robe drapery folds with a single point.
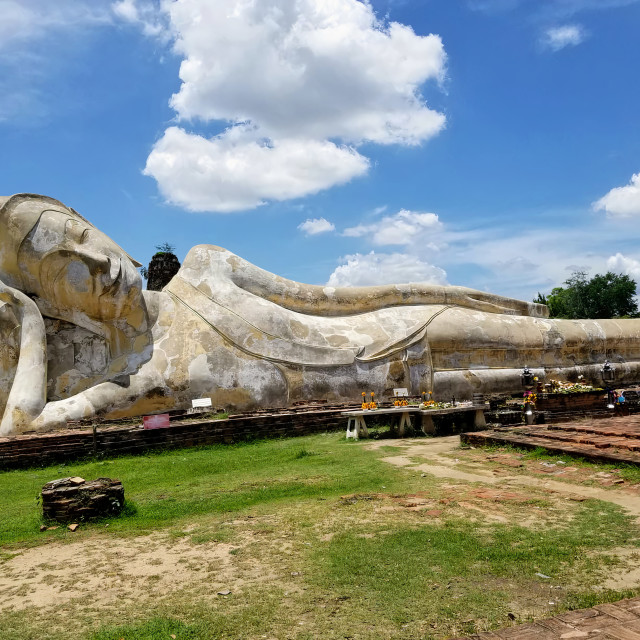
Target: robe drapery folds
<point x="289" y="322"/>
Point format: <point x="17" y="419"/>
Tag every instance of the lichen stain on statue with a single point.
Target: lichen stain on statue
<point x="79" y="338"/>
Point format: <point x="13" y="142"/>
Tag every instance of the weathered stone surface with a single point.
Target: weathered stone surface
<point x="73" y="499"/>
<point x="225" y="329"/>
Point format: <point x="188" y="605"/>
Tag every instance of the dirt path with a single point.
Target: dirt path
<point x="108" y="571"/>
<point x="442" y="466"/>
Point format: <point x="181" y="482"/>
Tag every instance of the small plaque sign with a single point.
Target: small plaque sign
<point x="200" y="403"/>
<point x="399" y="393"/>
<point x="159" y="421"/>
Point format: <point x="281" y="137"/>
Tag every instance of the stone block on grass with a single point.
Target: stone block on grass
<point x="74" y="499"/>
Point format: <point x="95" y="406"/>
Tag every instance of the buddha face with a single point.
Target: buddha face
<point x="74" y="267"/>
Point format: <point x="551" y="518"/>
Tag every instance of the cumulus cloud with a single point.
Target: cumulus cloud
<point x="404" y="228"/>
<point x="622" y="264"/>
<point x="231" y="171"/>
<point x="296" y="72"/>
<point x="556" y="38"/>
<point x="314" y="226"/>
<point x="621" y="202"/>
<point x="322" y="69"/>
<point x="384" y="268"/>
<point x="523" y="261"/>
<point x="519" y="261"/>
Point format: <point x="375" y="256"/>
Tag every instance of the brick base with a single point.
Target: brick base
<point x="614" y="440"/>
<point x="619" y="621"/>
<point x="73" y="444"/>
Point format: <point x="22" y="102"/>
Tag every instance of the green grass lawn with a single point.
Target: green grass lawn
<point x="162" y="488"/>
<point x="355" y="567"/>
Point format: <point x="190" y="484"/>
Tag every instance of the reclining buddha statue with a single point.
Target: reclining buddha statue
<point x="80" y="338"/>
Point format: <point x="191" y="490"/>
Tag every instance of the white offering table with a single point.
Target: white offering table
<point x="357" y="426"/>
<point x="427" y="416"/>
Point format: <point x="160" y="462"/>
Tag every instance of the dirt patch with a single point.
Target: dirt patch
<point x="626" y="575"/>
<point x="419" y="502"/>
<point x="117" y="569"/>
<point x="500" y="496"/>
<point x="437" y="454"/>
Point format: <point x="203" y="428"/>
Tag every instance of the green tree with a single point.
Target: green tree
<point x="165" y="247"/>
<point x="610" y="295"/>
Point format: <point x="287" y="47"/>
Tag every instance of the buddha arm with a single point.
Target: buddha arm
<point x="106" y="397"/>
<point x="27" y="396"/>
<point x="99" y="400"/>
<point x="327" y="300"/>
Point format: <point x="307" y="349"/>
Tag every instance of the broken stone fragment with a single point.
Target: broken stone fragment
<point x="74" y="499"/>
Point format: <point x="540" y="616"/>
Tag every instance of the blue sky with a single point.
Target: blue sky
<point x="487" y="143"/>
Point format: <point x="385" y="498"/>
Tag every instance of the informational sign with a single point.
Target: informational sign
<point x="159" y="421"/>
<point x="200" y="403"/>
<point x="399" y="393"/>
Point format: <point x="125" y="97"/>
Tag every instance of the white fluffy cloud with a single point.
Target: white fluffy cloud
<point x="314" y="226"/>
<point x="622" y="202"/>
<point x="519" y="261"/>
<point x="556" y="38"/>
<point x="403" y="228"/>
<point x="627" y="266"/>
<point x="297" y="73"/>
<point x="232" y="171"/>
<point x="384" y="268"/>
<point x="302" y="67"/>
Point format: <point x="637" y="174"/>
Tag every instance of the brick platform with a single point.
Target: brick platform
<point x="619" y="621"/>
<point x="72" y="444"/>
<point x="613" y="440"/>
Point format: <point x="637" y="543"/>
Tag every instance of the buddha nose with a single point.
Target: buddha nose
<point x="98" y="262"/>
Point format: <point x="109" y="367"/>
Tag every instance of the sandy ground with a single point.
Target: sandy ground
<point x="131" y="569"/>
<point x="443" y="466"/>
<point x="51" y="575"/>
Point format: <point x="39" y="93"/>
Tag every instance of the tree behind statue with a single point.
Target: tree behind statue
<point x="610" y="295"/>
<point x="163" y="266"/>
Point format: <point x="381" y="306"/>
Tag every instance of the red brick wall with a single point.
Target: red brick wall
<point x="43" y="449"/>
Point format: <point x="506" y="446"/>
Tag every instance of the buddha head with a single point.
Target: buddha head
<point x="53" y="254"/>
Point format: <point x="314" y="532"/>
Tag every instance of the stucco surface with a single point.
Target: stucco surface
<point x="80" y="338"/>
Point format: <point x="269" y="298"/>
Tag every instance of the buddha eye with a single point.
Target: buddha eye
<point x="75" y="231"/>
